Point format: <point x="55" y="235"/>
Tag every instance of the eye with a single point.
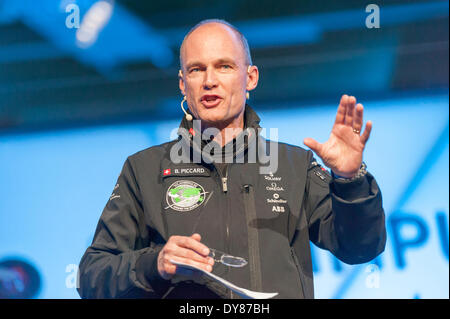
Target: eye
<point x="194" y="70"/>
<point x="225" y="66"/>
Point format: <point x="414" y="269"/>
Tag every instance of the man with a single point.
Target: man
<point x="251" y="228"/>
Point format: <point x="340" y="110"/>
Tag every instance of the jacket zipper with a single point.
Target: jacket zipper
<point x="225" y="190"/>
<point x="224" y="183"/>
<point x="224" y="180"/>
<point x="253" y="239"/>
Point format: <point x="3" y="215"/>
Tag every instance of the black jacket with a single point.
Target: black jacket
<point x="268" y="219"/>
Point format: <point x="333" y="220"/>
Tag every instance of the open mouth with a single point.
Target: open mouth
<point x="210" y="100"/>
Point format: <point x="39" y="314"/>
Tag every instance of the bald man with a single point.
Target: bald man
<point x="215" y="208"/>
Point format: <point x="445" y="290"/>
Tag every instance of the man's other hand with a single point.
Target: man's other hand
<point x="188" y="250"/>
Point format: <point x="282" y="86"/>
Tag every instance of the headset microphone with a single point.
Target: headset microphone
<point x="188" y="116"/>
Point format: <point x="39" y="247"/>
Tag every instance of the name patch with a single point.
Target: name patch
<point x="185" y="171"/>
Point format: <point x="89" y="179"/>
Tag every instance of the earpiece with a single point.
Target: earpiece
<point x="188" y="116"/>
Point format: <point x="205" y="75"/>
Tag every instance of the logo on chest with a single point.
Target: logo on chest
<point x="279" y="204"/>
<point x="184" y="196"/>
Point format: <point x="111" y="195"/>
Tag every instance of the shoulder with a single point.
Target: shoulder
<point x="291" y="152"/>
<point x="151" y="155"/>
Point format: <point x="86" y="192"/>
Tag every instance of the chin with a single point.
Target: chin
<point x="211" y="120"/>
<point x="214" y="115"/>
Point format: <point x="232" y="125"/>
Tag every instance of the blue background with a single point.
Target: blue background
<point x="71" y="112"/>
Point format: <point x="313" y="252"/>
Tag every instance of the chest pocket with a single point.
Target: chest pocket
<point x="186" y="188"/>
<point x="187" y="191"/>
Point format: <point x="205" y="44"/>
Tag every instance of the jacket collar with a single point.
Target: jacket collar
<point x="187" y="132"/>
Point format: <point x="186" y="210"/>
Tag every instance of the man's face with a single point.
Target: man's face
<point x="215" y="77"/>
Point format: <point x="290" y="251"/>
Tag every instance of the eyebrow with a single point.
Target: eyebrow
<point x="192" y="64"/>
<point x="218" y="61"/>
<point x="226" y="60"/>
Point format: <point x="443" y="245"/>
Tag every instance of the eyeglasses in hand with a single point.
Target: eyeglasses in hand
<point x="226" y="259"/>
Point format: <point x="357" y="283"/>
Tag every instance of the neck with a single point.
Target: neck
<point x="227" y="130"/>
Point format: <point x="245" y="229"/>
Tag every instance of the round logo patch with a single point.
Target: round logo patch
<point x="185" y="195"/>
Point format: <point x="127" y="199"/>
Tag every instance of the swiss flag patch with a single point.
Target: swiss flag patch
<point x="166" y="172"/>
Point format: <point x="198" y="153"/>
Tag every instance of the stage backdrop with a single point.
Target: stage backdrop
<point x="54" y="186"/>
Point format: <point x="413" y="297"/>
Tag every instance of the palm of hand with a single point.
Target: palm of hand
<point x="343" y="151"/>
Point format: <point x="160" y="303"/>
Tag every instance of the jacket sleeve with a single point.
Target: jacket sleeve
<point x="121" y="261"/>
<point x="345" y="217"/>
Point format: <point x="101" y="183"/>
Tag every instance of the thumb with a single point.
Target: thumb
<point x="313" y="145"/>
<point x="197" y="237"/>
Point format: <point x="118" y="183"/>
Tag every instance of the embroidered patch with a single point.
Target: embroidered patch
<point x="185" y="171"/>
<point x="320" y="171"/>
<point x="114" y="195"/>
<point x="185" y="195"/>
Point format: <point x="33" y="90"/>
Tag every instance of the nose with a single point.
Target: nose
<point x="210" y="80"/>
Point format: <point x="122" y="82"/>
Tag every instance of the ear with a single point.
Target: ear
<point x="252" y="77"/>
<point x="181" y="82"/>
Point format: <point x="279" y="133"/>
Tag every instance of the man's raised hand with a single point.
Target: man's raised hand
<point x="343" y="151"/>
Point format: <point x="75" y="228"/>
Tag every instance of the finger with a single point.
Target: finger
<point x="190" y="254"/>
<point x="358" y="118"/>
<point x="198" y="238"/>
<point x="340" y="116"/>
<point x="313" y="145"/>
<point x="191" y="243"/>
<point x="350" y="110"/>
<point x="366" y="134"/>
<point x="168" y="268"/>
<point x="206" y="267"/>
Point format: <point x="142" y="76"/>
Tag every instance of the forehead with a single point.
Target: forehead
<point x="212" y="41"/>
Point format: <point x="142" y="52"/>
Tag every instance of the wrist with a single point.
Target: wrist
<point x="362" y="171"/>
